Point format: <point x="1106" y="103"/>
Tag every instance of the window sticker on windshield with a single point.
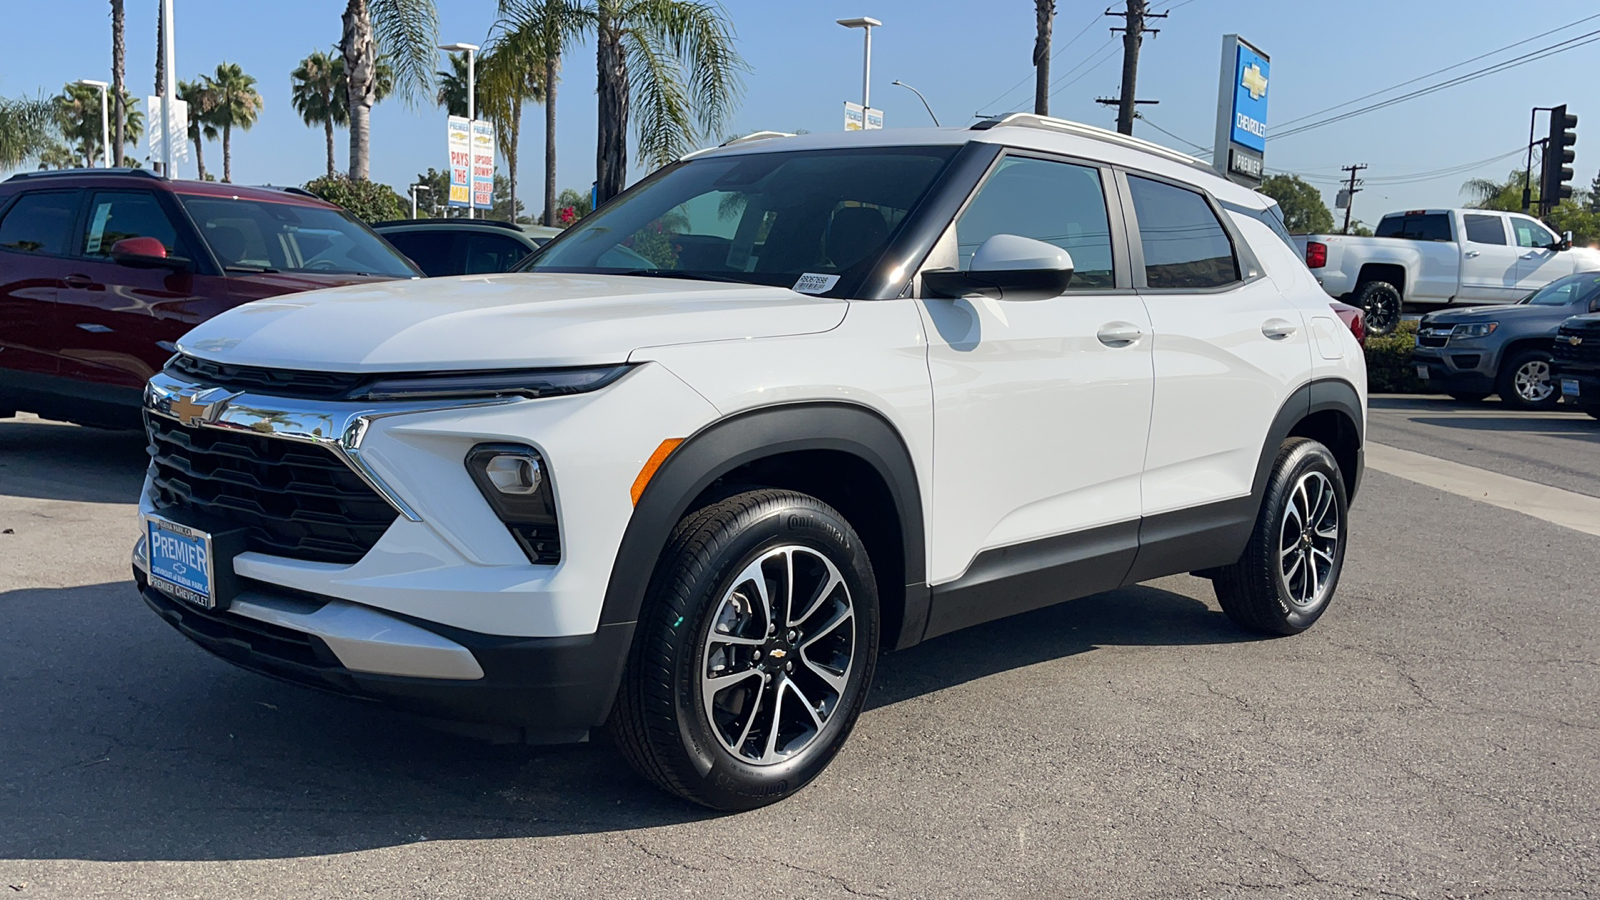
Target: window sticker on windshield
<point x="811" y="283"/>
<point x="97" y="229"/>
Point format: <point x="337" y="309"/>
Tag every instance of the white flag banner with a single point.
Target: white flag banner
<point x="177" y="130"/>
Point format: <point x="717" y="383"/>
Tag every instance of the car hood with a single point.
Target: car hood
<point x="271" y="283"/>
<point x="1525" y="312"/>
<point x="500" y="321"/>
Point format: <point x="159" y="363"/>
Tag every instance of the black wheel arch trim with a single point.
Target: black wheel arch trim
<point x="750" y="436"/>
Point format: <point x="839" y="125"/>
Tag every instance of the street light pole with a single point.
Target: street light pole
<point x="866" y="25"/>
<point x="413" y="192"/>
<point x="919" y="97"/>
<point x="105" y="116"/>
<point x="472" y="107"/>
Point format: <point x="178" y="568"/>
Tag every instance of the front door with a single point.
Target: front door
<point x="1538" y="265"/>
<point x="1042" y="407"/>
<point x="1489" y="262"/>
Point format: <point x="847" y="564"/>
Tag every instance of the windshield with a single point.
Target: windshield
<point x="813" y="220"/>
<point x="1581" y="288"/>
<point x="263" y="236"/>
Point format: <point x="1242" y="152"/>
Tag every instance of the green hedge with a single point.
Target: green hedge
<point x="366" y="200"/>
<point x="1389" y="366"/>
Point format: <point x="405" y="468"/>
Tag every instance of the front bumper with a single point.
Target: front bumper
<point x="1459" y="368"/>
<point x="1587" y="378"/>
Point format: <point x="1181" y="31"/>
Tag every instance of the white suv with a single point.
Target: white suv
<point x="782" y="405"/>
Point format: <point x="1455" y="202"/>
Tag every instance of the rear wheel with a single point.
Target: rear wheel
<point x="754" y="653"/>
<point x="1525" y="383"/>
<point x="1287" y="576"/>
<point x="1382" y="302"/>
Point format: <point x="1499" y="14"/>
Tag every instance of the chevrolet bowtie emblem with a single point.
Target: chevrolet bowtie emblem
<point x="200" y="408"/>
<point x="1254" y="82"/>
<point x="778" y="653"/>
<point x="1574" y="340"/>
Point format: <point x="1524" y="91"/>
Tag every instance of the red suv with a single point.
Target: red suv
<point x="102" y="270"/>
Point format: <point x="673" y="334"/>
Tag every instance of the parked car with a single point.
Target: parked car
<point x="1354" y="318"/>
<point x="1472" y="353"/>
<point x="541" y="234"/>
<point x="459" y="246"/>
<point x="1428" y="257"/>
<point x="1576" y="362"/>
<point x="101" y="270"/>
<point x="783" y="405"/>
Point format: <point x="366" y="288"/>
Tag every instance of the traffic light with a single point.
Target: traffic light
<point x="1554" y="183"/>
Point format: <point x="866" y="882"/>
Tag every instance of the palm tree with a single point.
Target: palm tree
<point x="312" y="94"/>
<point x="545" y="28"/>
<point x="406" y="32"/>
<point x="452" y="92"/>
<point x="24" y="130"/>
<point x="235" y="104"/>
<point x="77" y="115"/>
<point x="118" y="64"/>
<point x="201" y="99"/>
<point x="512" y="73"/>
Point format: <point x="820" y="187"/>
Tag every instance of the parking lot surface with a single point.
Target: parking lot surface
<point x="1437" y="734"/>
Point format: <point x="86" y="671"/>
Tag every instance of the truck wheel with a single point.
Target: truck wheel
<point x="1382" y="302"/>
<point x="754" y="652"/>
<point x="1524" y="381"/>
<point x="1287" y="575"/>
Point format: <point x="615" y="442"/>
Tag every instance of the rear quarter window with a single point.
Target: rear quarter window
<point x="1420" y="227"/>
<point x="39" y="222"/>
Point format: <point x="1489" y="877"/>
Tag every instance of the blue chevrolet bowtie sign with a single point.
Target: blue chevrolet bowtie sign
<point x="1250" y="99"/>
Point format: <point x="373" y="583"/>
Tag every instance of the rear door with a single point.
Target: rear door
<point x="1537" y="264"/>
<point x="35" y="232"/>
<point x="433" y="250"/>
<point x="1228" y="350"/>
<point x="1489" y="261"/>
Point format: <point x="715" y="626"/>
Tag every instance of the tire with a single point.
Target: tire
<point x="1382" y="302"/>
<point x="1524" y="381"/>
<point x="1469" y="397"/>
<point x="704" y="613"/>
<point x="1276" y="591"/>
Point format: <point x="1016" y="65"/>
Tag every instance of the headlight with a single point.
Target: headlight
<point x="1474" y="330"/>
<point x="516" y="482"/>
<point x="515" y="383"/>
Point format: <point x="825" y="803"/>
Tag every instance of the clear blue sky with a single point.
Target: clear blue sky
<point x="963" y="54"/>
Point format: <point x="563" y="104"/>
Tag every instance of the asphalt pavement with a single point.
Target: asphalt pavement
<point x="1437" y="734"/>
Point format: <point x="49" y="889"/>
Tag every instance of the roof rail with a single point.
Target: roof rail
<point x="742" y="139"/>
<point x="56" y="173"/>
<point x="1032" y="120"/>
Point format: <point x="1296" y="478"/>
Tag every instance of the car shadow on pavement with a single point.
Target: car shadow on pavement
<point x="52" y="461"/>
<point x="122" y="741"/>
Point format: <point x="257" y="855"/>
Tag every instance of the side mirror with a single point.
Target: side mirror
<point x="1006" y="267"/>
<point x="145" y="253"/>
<point x="1566" y="240"/>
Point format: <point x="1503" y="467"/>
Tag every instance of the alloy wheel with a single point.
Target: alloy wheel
<point x="1532" y="381"/>
<point x="1308" y="541"/>
<point x="1383" y="315"/>
<point x="778" y="655"/>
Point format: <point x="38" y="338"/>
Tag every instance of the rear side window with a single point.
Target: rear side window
<point x="39" y="223"/>
<point x="1485" y="229"/>
<point x="1185" y="246"/>
<point x="430" y="250"/>
<point x="115" y="215"/>
<point x="1417" y="227"/>
<point x="492" y="253"/>
<point x="1055" y="202"/>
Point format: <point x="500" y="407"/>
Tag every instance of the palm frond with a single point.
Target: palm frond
<point x="24" y="130"/>
<point x="407" y="35"/>
<point x="699" y="37"/>
<point x="661" y="114"/>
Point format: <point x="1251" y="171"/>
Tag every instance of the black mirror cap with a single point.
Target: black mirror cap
<point x="1011" y="284"/>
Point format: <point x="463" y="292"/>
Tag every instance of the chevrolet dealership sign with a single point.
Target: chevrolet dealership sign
<point x="1241" y="138"/>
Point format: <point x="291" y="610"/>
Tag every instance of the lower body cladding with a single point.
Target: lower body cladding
<point x="1466" y="371"/>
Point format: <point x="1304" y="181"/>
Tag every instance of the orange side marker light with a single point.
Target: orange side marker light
<point x="652" y="464"/>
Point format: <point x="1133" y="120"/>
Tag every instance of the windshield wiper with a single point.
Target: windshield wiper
<point x="254" y="270"/>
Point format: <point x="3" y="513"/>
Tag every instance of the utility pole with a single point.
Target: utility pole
<point x="1133" y="32"/>
<point x="1351" y="192"/>
<point x="1046" y="10"/>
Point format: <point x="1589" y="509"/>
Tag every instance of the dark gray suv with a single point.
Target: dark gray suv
<point x="1472" y="353"/>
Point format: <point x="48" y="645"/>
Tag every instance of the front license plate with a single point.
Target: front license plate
<point x="1422" y="372"/>
<point x="1569" y="387"/>
<point x="181" y="562"/>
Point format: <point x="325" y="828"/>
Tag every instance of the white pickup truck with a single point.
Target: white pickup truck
<point x="1441" y="256"/>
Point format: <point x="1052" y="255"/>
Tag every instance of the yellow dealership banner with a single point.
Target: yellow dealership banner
<point x="460" y="161"/>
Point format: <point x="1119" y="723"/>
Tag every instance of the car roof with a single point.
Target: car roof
<point x="1023" y="131"/>
<point x="141" y="178"/>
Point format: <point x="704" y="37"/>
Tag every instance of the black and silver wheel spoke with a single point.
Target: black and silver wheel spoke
<point x="778" y="655"/>
<point x="1308" y="541"/>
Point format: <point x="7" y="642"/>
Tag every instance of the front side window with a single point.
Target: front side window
<point x="1055" y="202"/>
<point x="1530" y="233"/>
<point x="1185" y="246"/>
<point x="265" y="236"/>
<point x="775" y="218"/>
<point x="430" y="250"/>
<point x="1485" y="229"/>
<point x="118" y="215"/>
<point x="39" y="223"/>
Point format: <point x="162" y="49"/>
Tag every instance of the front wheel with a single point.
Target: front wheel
<point x="1382" y="302"/>
<point x="754" y="654"/>
<point x="1525" y="381"/>
<point x="1286" y="578"/>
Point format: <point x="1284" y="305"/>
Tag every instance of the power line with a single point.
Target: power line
<point x="1436" y="71"/>
<point x="1146" y="119"/>
<point x="1011" y="90"/>
<point x="1062" y="82"/>
<point x="1542" y="53"/>
<point x="1398" y="179"/>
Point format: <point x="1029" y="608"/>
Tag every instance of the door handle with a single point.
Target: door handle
<point x="78" y="281"/>
<point x="1119" y="334"/>
<point x="1470" y="254"/>
<point x="1278" y="329"/>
